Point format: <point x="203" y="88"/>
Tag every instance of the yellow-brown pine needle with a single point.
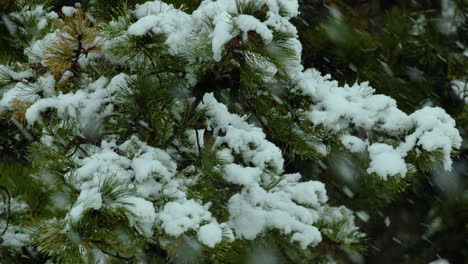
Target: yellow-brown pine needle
<point x="19" y="109"/>
<point x="77" y="35"/>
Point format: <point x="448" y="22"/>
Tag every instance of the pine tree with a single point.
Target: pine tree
<point x="151" y="132"/>
<point x="414" y="51"/>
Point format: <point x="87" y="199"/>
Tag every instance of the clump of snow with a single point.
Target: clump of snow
<point x="386" y="161"/>
<point x="434" y="130"/>
<point x="16" y="206"/>
<point x="7" y="73"/>
<point x="218" y="21"/>
<point x="387" y="221"/>
<point x="229" y="20"/>
<point x="101" y="162"/>
<point x="255" y="210"/>
<point x="353" y="144"/>
<point x="210" y="234"/>
<point x="15" y="238"/>
<point x="237" y="174"/>
<point x="37" y="50"/>
<point x="160" y="18"/>
<point x="248" y="23"/>
<point x="336" y="107"/>
<point x="339" y="108"/>
<point x="147" y="172"/>
<point x="311" y="193"/>
<point x="82" y="105"/>
<point x="68" y="10"/>
<point x="143" y="214"/>
<point x="363" y="216"/>
<point x="222" y="34"/>
<point x="439" y="261"/>
<point x="460" y="88"/>
<point x="37" y="14"/>
<point x="291" y="206"/>
<point x="89" y="198"/>
<point x="44" y="83"/>
<point x="148" y="164"/>
<point x="243" y="138"/>
<point x="178" y="217"/>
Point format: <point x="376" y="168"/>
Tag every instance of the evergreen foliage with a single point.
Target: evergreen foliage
<point x="189" y="131"/>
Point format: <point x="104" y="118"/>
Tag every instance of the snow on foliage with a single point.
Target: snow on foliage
<point x="439" y="261"/>
<point x="338" y="108"/>
<point x="15" y="237"/>
<point x="156" y="196"/>
<point x="242" y="138"/>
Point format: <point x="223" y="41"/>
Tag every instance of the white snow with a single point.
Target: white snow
<point x="254" y="210"/>
<point x="386" y="161"/>
<point x="353" y="144"/>
<point x="147" y="164"/>
<point x="439" y="261"/>
<point x="68" y="10"/>
<point x="158" y="194"/>
<point x="36" y="13"/>
<point x="210" y="234"/>
<point x="363" y="216"/>
<point x="89" y="198"/>
<point x="387" y="221"/>
<point x="248" y="23"/>
<point x="178" y="217"/>
<point x="222" y="34"/>
<point x="15" y="238"/>
<point x="6" y="72"/>
<point x="36" y="52"/>
<point x="307" y="193"/>
<point x="143" y="214"/>
<point x="106" y="161"/>
<point x="237" y="174"/>
<point x="460" y="88"/>
<point x="160" y="18"/>
<point x="242" y="138"/>
<point x="434" y="130"/>
<point x="338" y="107"/>
<point x="82" y="105"/>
